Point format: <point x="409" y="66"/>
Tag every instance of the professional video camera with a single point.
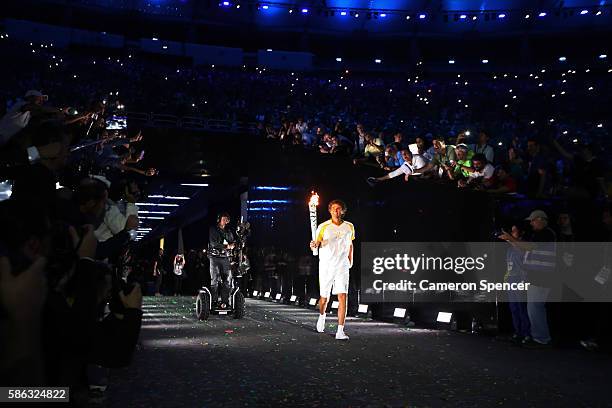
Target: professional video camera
<point x="239" y="259"/>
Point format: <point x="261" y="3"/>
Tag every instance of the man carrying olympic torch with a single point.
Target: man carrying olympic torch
<point x="334" y="240"/>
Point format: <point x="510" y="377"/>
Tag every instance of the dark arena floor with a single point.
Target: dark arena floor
<point x="274" y="357"/>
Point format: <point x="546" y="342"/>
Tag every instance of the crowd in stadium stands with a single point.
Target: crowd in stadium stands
<point x="70" y="306"/>
<point x="66" y="249"/>
<point x="447" y="123"/>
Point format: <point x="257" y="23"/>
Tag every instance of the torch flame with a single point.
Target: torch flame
<point x="314" y="199"/>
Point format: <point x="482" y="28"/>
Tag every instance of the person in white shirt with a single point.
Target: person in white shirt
<point x="334" y="238"/>
<point x="480" y="174"/>
<point x="411" y="166"/>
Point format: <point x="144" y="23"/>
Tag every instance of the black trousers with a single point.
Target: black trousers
<point x="220" y="273"/>
<point x="158" y="283"/>
<point x="178" y="284"/>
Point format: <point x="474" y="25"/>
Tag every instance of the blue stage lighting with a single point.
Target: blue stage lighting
<point x="338" y="59"/>
<point x="603" y="56"/>
<point x="265" y="7"/>
<point x="463" y="16"/>
<point x="383" y="15"/>
<point x="485" y="61"/>
<point x="343" y="13"/>
<point x="226" y="3"/>
<point x="562" y="59"/>
<point x="304" y="10"/>
<point x="378" y="61"/>
<point x="422" y="16"/>
<point x="583" y="12"/>
<point x="542" y="14"/>
<point x="502" y="15"/>
<point x="451" y="61"/>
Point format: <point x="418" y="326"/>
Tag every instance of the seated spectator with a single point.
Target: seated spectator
<point x="392" y="158"/>
<point x="398" y="141"/>
<point x="444" y="156"/>
<point x="412" y="166"/>
<point x="588" y="172"/>
<point x="484" y="147"/>
<point x="373" y="149"/>
<point x="481" y="175"/>
<point x="423" y="148"/>
<point x="461" y="167"/>
<point x="539" y="174"/>
<point x="516" y="164"/>
<point x="504" y="182"/>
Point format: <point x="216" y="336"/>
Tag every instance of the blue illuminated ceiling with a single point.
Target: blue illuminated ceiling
<point x="377" y="17"/>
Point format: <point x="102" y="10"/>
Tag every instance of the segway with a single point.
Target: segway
<point x="204" y="303"/>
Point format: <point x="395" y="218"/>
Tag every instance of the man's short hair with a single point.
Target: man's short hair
<point x="341" y="203"/>
<point x="479" y="157"/>
<point x="90" y="189"/>
<point x="440" y="139"/>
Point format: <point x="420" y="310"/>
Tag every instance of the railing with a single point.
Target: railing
<point x="198" y="123"/>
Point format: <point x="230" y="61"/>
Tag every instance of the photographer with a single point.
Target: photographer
<point x="539" y="262"/>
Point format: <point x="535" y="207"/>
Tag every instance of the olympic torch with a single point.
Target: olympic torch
<point x="312" y="207"/>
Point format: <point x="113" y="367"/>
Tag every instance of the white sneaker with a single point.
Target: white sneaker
<point x="341" y="336"/>
<point x="321" y="323"/>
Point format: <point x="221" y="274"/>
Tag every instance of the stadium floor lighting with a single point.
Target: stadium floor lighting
<point x="267" y="295"/>
<point x="562" y="59"/>
<point x="335" y="304"/>
<point x="378" y="61"/>
<point x="293" y="298"/>
<point x="278" y="296"/>
<point x="603" y="56"/>
<point x="363" y="309"/>
<point x="451" y="61"/>
<point x="255" y="293"/>
<point x="444" y="317"/>
<point x="170" y="197"/>
<point x="338" y="59"/>
<point x="312" y="302"/>
<point x="485" y="61"/>
<point x="399" y="313"/>
<point x="156" y="205"/>
<point x="195" y="184"/>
